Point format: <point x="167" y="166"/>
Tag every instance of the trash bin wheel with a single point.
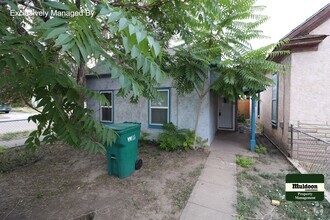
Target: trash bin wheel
<point x="138" y="164"/>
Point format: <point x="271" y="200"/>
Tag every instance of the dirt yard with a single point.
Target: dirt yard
<point x="63" y="183"/>
<point x="264" y="181"/>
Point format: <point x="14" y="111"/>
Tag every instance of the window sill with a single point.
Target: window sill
<point x="274" y="125"/>
<point x="106" y="122"/>
<point x="156" y="126"/>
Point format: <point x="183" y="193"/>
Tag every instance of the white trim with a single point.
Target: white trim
<point x="160" y="107"/>
<point x="106" y="106"/>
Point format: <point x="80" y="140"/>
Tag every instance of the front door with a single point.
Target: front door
<point x="226" y="114"/>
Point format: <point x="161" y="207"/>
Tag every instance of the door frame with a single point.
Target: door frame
<point x="234" y="116"/>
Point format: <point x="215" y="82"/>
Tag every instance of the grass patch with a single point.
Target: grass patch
<point x="2" y="149"/>
<point x="244" y="161"/>
<point x="245" y="205"/>
<point x="266" y="176"/>
<point x="14" y="135"/>
<point x="261" y="149"/>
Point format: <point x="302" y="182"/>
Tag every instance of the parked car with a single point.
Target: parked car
<point x="6" y="108"/>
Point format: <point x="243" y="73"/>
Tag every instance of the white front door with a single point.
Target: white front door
<point x="226" y="114"/>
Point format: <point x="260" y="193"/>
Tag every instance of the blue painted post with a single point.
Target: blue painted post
<point x="253" y="125"/>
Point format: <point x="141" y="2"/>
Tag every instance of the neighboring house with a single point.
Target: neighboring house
<point x="216" y="113"/>
<point x="302" y="97"/>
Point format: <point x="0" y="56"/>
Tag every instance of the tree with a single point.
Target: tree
<point x="44" y="54"/>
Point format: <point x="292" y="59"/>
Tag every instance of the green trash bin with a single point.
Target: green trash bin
<point x="122" y="156"/>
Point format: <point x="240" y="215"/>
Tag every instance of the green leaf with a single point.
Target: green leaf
<point x="76" y="53"/>
<point x="135" y="52"/>
<point x="146" y="66"/>
<point x="115" y="16"/>
<point x="105" y="11"/>
<point x="131" y="29"/>
<point x="122" y="24"/>
<point x="126" y="45"/>
<point x="20" y="60"/>
<point x="68" y="46"/>
<point x="115" y="73"/>
<point x="29" y="57"/>
<point x="57" y="31"/>
<point x="152" y="70"/>
<point x="54" y="22"/>
<point x="12" y="5"/>
<point x="140" y="61"/>
<point x="63" y="39"/>
<point x="156" y="47"/>
<point x="57" y="5"/>
<point x="159" y="76"/>
<point x="34" y="52"/>
<point x="151" y="41"/>
<point x="140" y="36"/>
<point x="82" y="49"/>
<point x="136" y="89"/>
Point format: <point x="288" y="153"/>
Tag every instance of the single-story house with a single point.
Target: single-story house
<point x="302" y="96"/>
<point x="216" y="113"/>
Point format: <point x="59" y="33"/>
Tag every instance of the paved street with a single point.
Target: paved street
<point x="15" y="122"/>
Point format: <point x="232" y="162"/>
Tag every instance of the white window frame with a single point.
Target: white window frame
<point x="105" y="106"/>
<point x="160" y="107"/>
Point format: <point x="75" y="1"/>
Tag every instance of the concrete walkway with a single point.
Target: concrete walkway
<point x="214" y="195"/>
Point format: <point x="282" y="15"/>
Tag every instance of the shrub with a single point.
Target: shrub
<point x="241" y="118"/>
<point x="261" y="149"/>
<point x="173" y="138"/>
<point x="244" y="161"/>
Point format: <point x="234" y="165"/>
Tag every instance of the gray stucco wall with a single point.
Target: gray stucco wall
<point x="182" y="109"/>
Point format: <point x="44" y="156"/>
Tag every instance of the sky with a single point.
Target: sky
<point x="285" y="15"/>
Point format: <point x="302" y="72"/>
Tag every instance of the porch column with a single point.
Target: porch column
<point x="253" y="125"/>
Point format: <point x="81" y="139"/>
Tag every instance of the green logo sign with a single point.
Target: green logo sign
<point x="304" y="187"/>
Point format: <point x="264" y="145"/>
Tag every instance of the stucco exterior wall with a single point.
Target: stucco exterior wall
<point x="182" y="109"/>
<point x="304" y="97"/>
<point x="310" y="82"/>
<point x="280" y="133"/>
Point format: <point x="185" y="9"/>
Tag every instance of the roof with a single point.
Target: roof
<point x="300" y="36"/>
<point x="100" y="70"/>
<point x="311" y="23"/>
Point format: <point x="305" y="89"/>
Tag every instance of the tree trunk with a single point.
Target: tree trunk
<point x="199" y="106"/>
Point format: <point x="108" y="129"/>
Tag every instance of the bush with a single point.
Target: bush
<point x="244" y="161"/>
<point x="241" y="118"/>
<point x="261" y="149"/>
<point x="173" y="138"/>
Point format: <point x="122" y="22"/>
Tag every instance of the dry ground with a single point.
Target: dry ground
<point x="265" y="181"/>
<point x="63" y="183"/>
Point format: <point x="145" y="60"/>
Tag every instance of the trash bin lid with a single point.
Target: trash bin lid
<point x="124" y="127"/>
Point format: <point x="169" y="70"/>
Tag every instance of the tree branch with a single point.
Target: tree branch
<point x="28" y="104"/>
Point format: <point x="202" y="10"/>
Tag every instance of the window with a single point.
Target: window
<point x="258" y="106"/>
<point x="106" y="111"/>
<point x="159" y="110"/>
<point x="275" y="100"/>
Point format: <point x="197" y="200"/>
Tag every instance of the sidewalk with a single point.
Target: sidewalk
<point x="12" y="143"/>
<point x="214" y="195"/>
